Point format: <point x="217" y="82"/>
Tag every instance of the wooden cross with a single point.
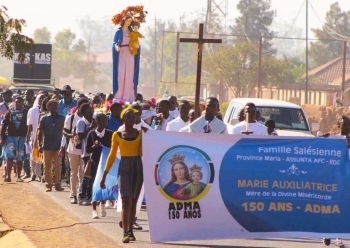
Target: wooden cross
<point x="200" y="42"/>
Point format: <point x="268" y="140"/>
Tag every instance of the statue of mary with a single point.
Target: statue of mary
<point x="125" y="65"/>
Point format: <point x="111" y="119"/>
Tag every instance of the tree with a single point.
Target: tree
<point x="64" y="39"/>
<point x="11" y="39"/>
<point x="98" y="35"/>
<point x="337" y="26"/>
<point x="42" y="35"/>
<point x="79" y="46"/>
<point x="255" y="19"/>
<point x="237" y="66"/>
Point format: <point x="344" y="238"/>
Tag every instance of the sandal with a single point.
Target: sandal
<point x="19" y="180"/>
<point x="7" y="180"/>
<point x="48" y="189"/>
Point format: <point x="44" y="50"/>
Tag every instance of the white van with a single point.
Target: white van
<point x="290" y="118"/>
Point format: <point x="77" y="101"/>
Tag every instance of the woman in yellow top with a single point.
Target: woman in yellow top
<point x="130" y="173"/>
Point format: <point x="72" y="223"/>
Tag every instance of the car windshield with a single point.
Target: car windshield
<point x="285" y="118"/>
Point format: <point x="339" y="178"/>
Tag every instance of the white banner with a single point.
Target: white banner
<point x="211" y="186"/>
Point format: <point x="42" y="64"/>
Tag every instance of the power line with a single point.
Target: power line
<point x="327" y="28"/>
<point x="268" y="37"/>
<point x="295" y="18"/>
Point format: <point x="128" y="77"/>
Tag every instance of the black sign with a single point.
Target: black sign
<point x="36" y="69"/>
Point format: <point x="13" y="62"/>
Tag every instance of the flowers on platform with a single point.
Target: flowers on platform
<point x="150" y="104"/>
<point x="103" y="108"/>
<point x="136" y="12"/>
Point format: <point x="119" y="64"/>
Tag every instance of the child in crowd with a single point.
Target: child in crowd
<point x="114" y="123"/>
<point x="95" y="140"/>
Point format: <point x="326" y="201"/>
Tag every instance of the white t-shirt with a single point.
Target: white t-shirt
<point x="256" y="128"/>
<point x="32" y="119"/>
<point x="185" y="129"/>
<point x="174" y="113"/>
<point x="164" y="124"/>
<point x="82" y="125"/>
<point x="176" y="124"/>
<point x="71" y="148"/>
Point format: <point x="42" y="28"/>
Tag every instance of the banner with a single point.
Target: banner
<point x="36" y="68"/>
<point x="212" y="186"/>
<point x="111" y="190"/>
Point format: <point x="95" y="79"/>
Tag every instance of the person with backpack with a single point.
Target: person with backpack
<point x="74" y="154"/>
<point x="84" y="126"/>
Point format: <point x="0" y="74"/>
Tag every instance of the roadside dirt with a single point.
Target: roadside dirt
<point x="44" y="222"/>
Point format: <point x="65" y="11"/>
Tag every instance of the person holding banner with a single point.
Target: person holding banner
<point x="209" y="123"/>
<point x="139" y="123"/>
<point x="344" y="128"/>
<point x="130" y="174"/>
<point x="250" y="124"/>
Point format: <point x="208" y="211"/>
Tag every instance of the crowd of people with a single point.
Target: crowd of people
<point x="58" y="136"/>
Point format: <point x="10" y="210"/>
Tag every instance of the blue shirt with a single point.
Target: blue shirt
<point x="64" y="109"/>
<point x="52" y="127"/>
<point x="114" y="123"/>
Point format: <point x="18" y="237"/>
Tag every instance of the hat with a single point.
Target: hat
<point x="7" y="92"/>
<point x="67" y="88"/>
<point x="52" y="101"/>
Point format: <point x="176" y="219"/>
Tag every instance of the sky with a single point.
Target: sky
<point x="59" y="15"/>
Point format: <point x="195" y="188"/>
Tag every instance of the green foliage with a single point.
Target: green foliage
<point x="98" y="35"/>
<point x="11" y="39"/>
<point x="64" y="39"/>
<point x="237" y="66"/>
<point x="42" y="36"/>
<point x="255" y="19"/>
<point x="336" y="26"/>
<point x="80" y="46"/>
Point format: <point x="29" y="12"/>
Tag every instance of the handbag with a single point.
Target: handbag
<point x="76" y="141"/>
<point x="90" y="162"/>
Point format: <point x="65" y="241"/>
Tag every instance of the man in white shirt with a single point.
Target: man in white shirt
<point x="250" y="123"/>
<point x="74" y="154"/>
<point x="163" y="117"/>
<point x="209" y="123"/>
<point x="182" y="120"/>
<point x="174" y="111"/>
<point x="32" y="122"/>
<point x="186" y="129"/>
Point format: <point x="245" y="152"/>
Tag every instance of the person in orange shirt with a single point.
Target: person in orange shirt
<point x="130" y="175"/>
<point x="134" y="38"/>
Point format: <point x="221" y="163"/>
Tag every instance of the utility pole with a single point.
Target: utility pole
<point x="307" y="55"/>
<point x="155" y="56"/>
<point x="177" y="62"/>
<point x="259" y="67"/>
<point x="345" y="45"/>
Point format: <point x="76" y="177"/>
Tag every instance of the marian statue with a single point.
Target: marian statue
<point x="126" y="53"/>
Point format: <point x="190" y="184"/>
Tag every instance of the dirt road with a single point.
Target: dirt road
<point x="44" y="222"/>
